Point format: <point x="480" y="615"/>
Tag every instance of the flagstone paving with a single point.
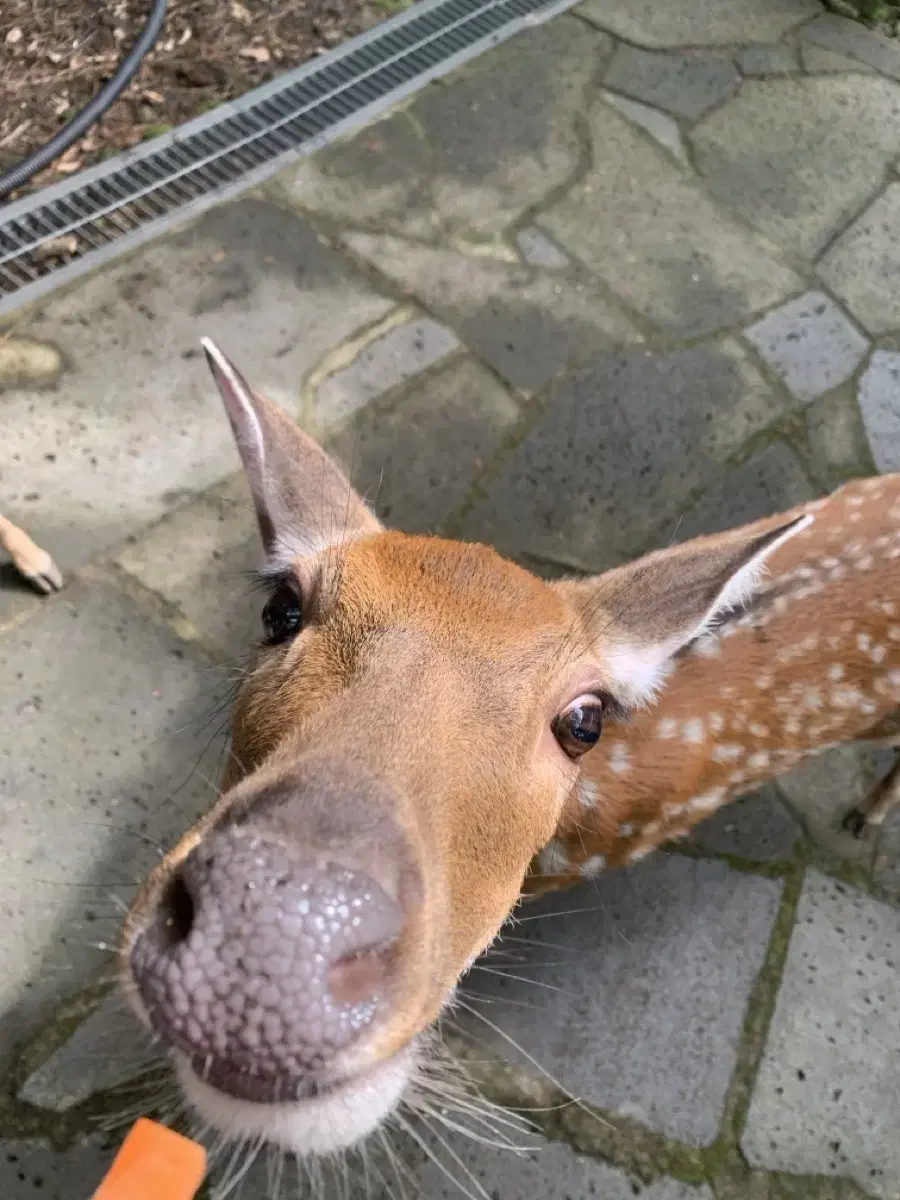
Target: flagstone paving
<point x="632" y="272"/>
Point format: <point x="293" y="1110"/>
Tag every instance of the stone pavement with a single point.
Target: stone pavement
<point x="633" y="268"/>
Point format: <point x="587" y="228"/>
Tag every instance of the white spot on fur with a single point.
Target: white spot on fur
<point x="894" y="633"/>
<point x="716" y="722"/>
<point x="764" y="681"/>
<point x="836" y="672"/>
<point x="846" y="697"/>
<point x="728" y="752"/>
<point x="706" y="801"/>
<point x="812" y="698"/>
<point x="667" y="728"/>
<point x="593" y="866"/>
<point x="619" y="758"/>
<point x="830" y="563"/>
<point x="855" y="516"/>
<point x="854" y="501"/>
<point x="639" y="853"/>
<point x="866" y="563"/>
<point x="626" y="829"/>
<point x="810" y="641"/>
<point x="759" y="730"/>
<point x="877" y="653"/>
<point x="758" y="761"/>
<point x="863" y="641"/>
<point x="693" y="730"/>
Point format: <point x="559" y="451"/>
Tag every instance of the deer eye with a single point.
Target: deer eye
<point x="578" y="727"/>
<point x="282" y="616"/>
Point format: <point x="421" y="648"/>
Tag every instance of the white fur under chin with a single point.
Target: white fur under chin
<point x="332" y="1122"/>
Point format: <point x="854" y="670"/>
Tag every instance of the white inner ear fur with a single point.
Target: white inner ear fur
<point x="246" y="426"/>
<point x="637" y="671"/>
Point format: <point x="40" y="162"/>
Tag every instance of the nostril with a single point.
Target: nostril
<point x="175" y="915"/>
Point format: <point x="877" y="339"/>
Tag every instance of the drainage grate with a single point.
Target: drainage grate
<point x="65" y="230"/>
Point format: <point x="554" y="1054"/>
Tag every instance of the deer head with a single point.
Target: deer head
<point x="402" y="746"/>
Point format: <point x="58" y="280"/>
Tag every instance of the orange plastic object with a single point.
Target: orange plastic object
<point x="154" y="1163"/>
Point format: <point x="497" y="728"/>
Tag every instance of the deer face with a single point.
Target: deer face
<point x="403" y="745"/>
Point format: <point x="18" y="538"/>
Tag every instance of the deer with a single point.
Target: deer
<point x="33" y="564"/>
<point x="423" y="733"/>
<point x="810" y="662"/>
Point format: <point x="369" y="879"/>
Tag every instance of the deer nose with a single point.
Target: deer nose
<point x="261" y="967"/>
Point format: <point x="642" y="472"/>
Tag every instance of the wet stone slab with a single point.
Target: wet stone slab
<point x="475" y="151"/>
<point x="105" y="1050"/>
<point x="653" y="967"/>
<point x="879" y="390"/>
<point x="798" y="157"/>
<point x="625" y="441"/>
<point x="756" y="827"/>
<point x="135" y="420"/>
<point x="382" y="364"/>
<point x="661" y="127"/>
<point x="107" y="763"/>
<point x="828" y="1095"/>
<point x="524" y="323"/>
<point x="201" y="558"/>
<point x="853" y="41"/>
<point x="698" y="22"/>
<point x="769" y="482"/>
<point x="685" y="85"/>
<point x="810" y="343"/>
<point x="33" y="1170"/>
<point x="863" y="264"/>
<point x="657" y="240"/>
<point x="823" y="788"/>
<point x="416" y="458"/>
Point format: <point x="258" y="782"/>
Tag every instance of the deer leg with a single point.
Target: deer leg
<point x="874" y="809"/>
<point x="30" y="560"/>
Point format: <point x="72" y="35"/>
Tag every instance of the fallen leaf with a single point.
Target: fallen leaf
<point x="186" y="35"/>
<point x="14" y="36"/>
<point x="240" y="13"/>
<point x="57" y="247"/>
<point x="154" y="97"/>
<point x="259" y="54"/>
<point x="54" y="57"/>
<point x="70" y="161"/>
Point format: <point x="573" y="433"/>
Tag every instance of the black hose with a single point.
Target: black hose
<point x="92" y="112"/>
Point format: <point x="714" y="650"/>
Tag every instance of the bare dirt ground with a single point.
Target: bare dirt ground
<point x="55" y="54"/>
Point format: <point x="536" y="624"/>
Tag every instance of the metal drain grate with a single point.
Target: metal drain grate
<point x="66" y="230"/>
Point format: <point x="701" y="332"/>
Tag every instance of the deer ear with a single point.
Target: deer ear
<point x="303" y="500"/>
<point x="637" y="617"/>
